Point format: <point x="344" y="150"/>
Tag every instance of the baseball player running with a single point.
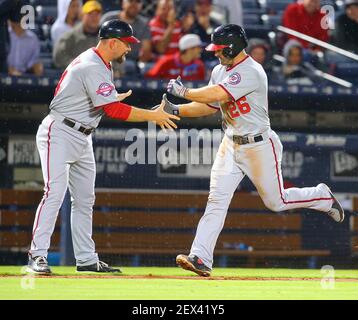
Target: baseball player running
<point x="83" y="95"/>
<point x="238" y="88"/>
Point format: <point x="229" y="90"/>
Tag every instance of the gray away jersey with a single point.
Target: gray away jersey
<point x="247" y="111"/>
<point x="85" y="86"/>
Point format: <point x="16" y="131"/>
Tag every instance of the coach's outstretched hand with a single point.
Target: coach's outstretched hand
<point x="122" y="96"/>
<point x="164" y="119"/>
<point x="176" y="87"/>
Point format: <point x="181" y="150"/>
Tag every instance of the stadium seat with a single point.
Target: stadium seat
<point x="334" y="58"/>
<point x="274" y="6"/>
<point x="259" y="11"/>
<point x="43" y="2"/>
<point x="52" y="73"/>
<point x="271" y="20"/>
<point x="249" y="4"/>
<point x="251" y="19"/>
<point x="144" y="67"/>
<point x="46" y="46"/>
<point x="328" y="2"/>
<point x="47" y="61"/>
<point x="257" y="31"/>
<point x="347" y="70"/>
<point x="111" y="6"/>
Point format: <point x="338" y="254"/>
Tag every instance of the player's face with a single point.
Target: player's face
<point x="223" y="60"/>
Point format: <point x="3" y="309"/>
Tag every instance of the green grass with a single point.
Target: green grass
<point x="120" y="287"/>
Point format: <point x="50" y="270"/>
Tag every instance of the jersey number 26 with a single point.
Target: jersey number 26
<point x="239" y="107"/>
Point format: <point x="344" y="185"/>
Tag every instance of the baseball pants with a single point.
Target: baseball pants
<point x="67" y="160"/>
<point x="261" y="162"/>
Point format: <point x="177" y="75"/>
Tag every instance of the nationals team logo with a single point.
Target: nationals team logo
<point x="105" y="89"/>
<point x="234" y="79"/>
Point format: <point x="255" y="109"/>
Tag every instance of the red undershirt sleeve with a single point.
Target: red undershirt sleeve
<point x="117" y="110"/>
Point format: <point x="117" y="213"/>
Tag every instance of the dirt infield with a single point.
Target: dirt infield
<point x="149" y="276"/>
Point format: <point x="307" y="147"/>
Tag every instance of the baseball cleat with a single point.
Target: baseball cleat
<point x="38" y="265"/>
<point x="99" y="266"/>
<point x="336" y="212"/>
<point x="193" y="263"/>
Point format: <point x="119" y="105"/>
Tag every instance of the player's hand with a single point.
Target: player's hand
<point x="164" y="119"/>
<point x="169" y="107"/>
<point x="176" y="87"/>
<point x="122" y="96"/>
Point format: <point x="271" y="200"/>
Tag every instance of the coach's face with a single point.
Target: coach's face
<point x="119" y="49"/>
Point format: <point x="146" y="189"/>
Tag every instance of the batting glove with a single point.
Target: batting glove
<point x="169" y="107"/>
<point x="176" y="88"/>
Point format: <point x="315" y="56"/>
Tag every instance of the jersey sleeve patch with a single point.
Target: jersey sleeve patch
<point x="234" y="79"/>
<point x="105" y="89"/>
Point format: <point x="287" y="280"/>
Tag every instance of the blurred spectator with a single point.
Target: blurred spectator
<point x="203" y="25"/>
<point x="9" y="9"/>
<point x="186" y="63"/>
<point x="130" y="14"/>
<point x="82" y="37"/>
<point x="260" y="51"/>
<point x="68" y="12"/>
<point x="233" y="9"/>
<point x="345" y="34"/>
<point x="294" y="66"/>
<point x="306" y="17"/>
<point x="165" y="28"/>
<point x="24" y="51"/>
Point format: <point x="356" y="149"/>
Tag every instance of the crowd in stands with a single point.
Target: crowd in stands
<point x="173" y="35"/>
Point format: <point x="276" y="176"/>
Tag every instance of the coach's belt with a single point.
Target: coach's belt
<point x="72" y="124"/>
<point x="247" y="139"/>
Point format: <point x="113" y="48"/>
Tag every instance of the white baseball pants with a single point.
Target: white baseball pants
<point x="67" y="160"/>
<point x="261" y="162"/>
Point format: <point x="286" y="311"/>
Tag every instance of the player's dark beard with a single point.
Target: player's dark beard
<point x="226" y="61"/>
